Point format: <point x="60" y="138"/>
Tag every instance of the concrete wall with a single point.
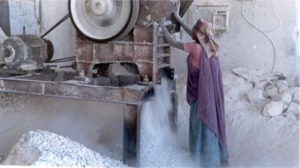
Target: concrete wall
<point x="37" y="17"/>
<point x="63" y="37"/>
<point x="298" y="39"/>
<point x="262" y="34"/>
<point x="22" y="15"/>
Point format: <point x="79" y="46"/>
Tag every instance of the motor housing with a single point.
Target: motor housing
<point x="25" y="52"/>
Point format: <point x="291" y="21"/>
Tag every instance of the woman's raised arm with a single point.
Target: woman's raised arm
<point x="179" y="19"/>
<point x="185" y="26"/>
<point x="169" y="38"/>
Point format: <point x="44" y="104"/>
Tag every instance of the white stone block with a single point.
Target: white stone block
<point x="296" y="97"/>
<point x="285" y="98"/>
<point x="294" y="109"/>
<point x="273" y="109"/>
<point x="255" y="96"/>
<point x="294" y="91"/>
<point x="271" y="91"/>
<point x="282" y="85"/>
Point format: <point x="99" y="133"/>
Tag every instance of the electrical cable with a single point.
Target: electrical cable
<point x="66" y="59"/>
<point x="261" y="31"/>
<point x="57" y="24"/>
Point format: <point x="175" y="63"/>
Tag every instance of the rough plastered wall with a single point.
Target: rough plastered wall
<point x="63" y="36"/>
<point x="298" y="37"/>
<point x="262" y="34"/>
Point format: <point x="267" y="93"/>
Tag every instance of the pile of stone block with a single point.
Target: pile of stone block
<point x="272" y="93"/>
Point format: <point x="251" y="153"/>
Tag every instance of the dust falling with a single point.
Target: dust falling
<point x="160" y="146"/>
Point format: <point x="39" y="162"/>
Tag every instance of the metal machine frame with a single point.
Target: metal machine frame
<point x="144" y="52"/>
<point x="153" y="63"/>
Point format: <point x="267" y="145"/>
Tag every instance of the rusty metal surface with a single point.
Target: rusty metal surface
<point x="153" y="10"/>
<point x="131" y="134"/>
<point x="147" y="50"/>
<point x="142" y="34"/>
<point x="72" y="89"/>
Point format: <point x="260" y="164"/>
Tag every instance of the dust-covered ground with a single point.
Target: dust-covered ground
<point x="262" y="118"/>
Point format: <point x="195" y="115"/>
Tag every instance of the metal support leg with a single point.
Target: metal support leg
<point x="174" y="109"/>
<point x="131" y="134"/>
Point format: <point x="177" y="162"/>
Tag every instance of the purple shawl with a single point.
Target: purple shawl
<point x="206" y="87"/>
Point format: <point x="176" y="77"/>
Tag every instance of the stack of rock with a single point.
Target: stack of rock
<point x="272" y="92"/>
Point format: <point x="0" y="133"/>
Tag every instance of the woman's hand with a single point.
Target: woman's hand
<point x="178" y="7"/>
<point x="167" y="35"/>
<point x="176" y="13"/>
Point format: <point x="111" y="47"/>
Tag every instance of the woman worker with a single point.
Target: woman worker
<point x="205" y="95"/>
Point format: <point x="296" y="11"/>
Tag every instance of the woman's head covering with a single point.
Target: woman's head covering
<point x="202" y="33"/>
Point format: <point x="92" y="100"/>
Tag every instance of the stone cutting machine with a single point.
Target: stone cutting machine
<point x="124" y="32"/>
<point x="109" y="32"/>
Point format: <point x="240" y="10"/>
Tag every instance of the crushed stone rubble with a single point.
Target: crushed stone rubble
<point x="272" y="91"/>
<point x="43" y="148"/>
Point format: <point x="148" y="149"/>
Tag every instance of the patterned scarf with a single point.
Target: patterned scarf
<point x="202" y="33"/>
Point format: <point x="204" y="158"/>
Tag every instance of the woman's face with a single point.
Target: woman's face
<point x="194" y="35"/>
<point x="203" y="27"/>
<point x="209" y="30"/>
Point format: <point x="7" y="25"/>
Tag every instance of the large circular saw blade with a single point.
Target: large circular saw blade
<point x="104" y="20"/>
